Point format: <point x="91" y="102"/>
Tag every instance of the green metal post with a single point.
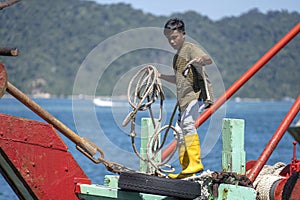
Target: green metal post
<point x="147" y="129"/>
<point x="233" y="154"/>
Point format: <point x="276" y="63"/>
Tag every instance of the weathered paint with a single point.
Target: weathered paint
<point x="39" y="158"/>
<point x="295" y="195"/>
<point x="233" y="192"/>
<point x="287" y="188"/>
<point x="233" y="154"/>
<point x="147" y="129"/>
<point x="111" y="181"/>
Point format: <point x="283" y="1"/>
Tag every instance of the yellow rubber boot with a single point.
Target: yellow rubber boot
<point x="184" y="162"/>
<point x="192" y="145"/>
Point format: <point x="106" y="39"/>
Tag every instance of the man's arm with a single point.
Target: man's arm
<point x="202" y="61"/>
<point x="169" y="78"/>
<point x="201" y="57"/>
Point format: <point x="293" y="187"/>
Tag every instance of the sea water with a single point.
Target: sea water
<point x="103" y="126"/>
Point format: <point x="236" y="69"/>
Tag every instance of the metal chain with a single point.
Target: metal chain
<point x="210" y="182"/>
<point x="229" y="178"/>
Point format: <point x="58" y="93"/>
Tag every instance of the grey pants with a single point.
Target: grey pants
<point x="186" y="120"/>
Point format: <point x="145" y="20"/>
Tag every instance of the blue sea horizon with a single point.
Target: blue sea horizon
<point x="262" y="118"/>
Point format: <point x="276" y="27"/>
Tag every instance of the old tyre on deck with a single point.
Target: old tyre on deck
<point x="160" y="186"/>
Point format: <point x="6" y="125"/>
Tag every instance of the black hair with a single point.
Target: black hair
<point x="174" y="24"/>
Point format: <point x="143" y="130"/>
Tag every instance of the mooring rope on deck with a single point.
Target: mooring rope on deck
<point x="265" y="180"/>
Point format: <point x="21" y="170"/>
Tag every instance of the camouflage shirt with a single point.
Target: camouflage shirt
<point x="196" y="85"/>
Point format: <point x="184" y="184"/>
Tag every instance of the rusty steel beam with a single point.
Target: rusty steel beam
<point x="3" y="80"/>
<point x="8" y="3"/>
<point x="84" y="145"/>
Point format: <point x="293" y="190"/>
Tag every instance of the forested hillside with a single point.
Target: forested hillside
<point x="54" y="37"/>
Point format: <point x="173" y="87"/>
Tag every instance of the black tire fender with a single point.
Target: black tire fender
<point x="144" y="183"/>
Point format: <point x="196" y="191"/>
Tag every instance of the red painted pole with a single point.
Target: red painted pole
<point x="274" y="140"/>
<point x="240" y="82"/>
<point x="247" y="75"/>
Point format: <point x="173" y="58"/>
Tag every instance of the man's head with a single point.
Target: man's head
<point x="174" y="30"/>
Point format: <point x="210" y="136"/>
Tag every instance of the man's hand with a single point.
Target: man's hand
<point x="202" y="61"/>
<point x="148" y="69"/>
<point x="158" y="74"/>
<point x="208" y="103"/>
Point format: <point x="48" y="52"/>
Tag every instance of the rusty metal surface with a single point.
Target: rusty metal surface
<point x="3" y="79"/>
<point x="277" y="195"/>
<point x="40" y="158"/>
<point x="87" y="147"/>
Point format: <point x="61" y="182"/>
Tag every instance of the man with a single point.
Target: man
<point x="194" y="94"/>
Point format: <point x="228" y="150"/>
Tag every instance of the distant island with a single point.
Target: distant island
<point x="54" y="37"/>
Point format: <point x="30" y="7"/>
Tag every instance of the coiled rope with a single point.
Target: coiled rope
<point x="148" y="89"/>
<point x="266" y="179"/>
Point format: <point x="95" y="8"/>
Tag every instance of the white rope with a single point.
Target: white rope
<point x="266" y="178"/>
<point x="148" y="89"/>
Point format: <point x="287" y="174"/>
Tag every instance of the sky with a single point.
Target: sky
<point x="214" y="9"/>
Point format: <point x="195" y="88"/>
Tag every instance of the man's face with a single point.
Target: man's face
<point x="176" y="39"/>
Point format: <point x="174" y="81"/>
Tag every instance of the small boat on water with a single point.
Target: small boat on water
<point x="103" y="102"/>
<point x="110" y="102"/>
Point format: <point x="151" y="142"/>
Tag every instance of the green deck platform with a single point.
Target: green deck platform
<point x="233" y="160"/>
